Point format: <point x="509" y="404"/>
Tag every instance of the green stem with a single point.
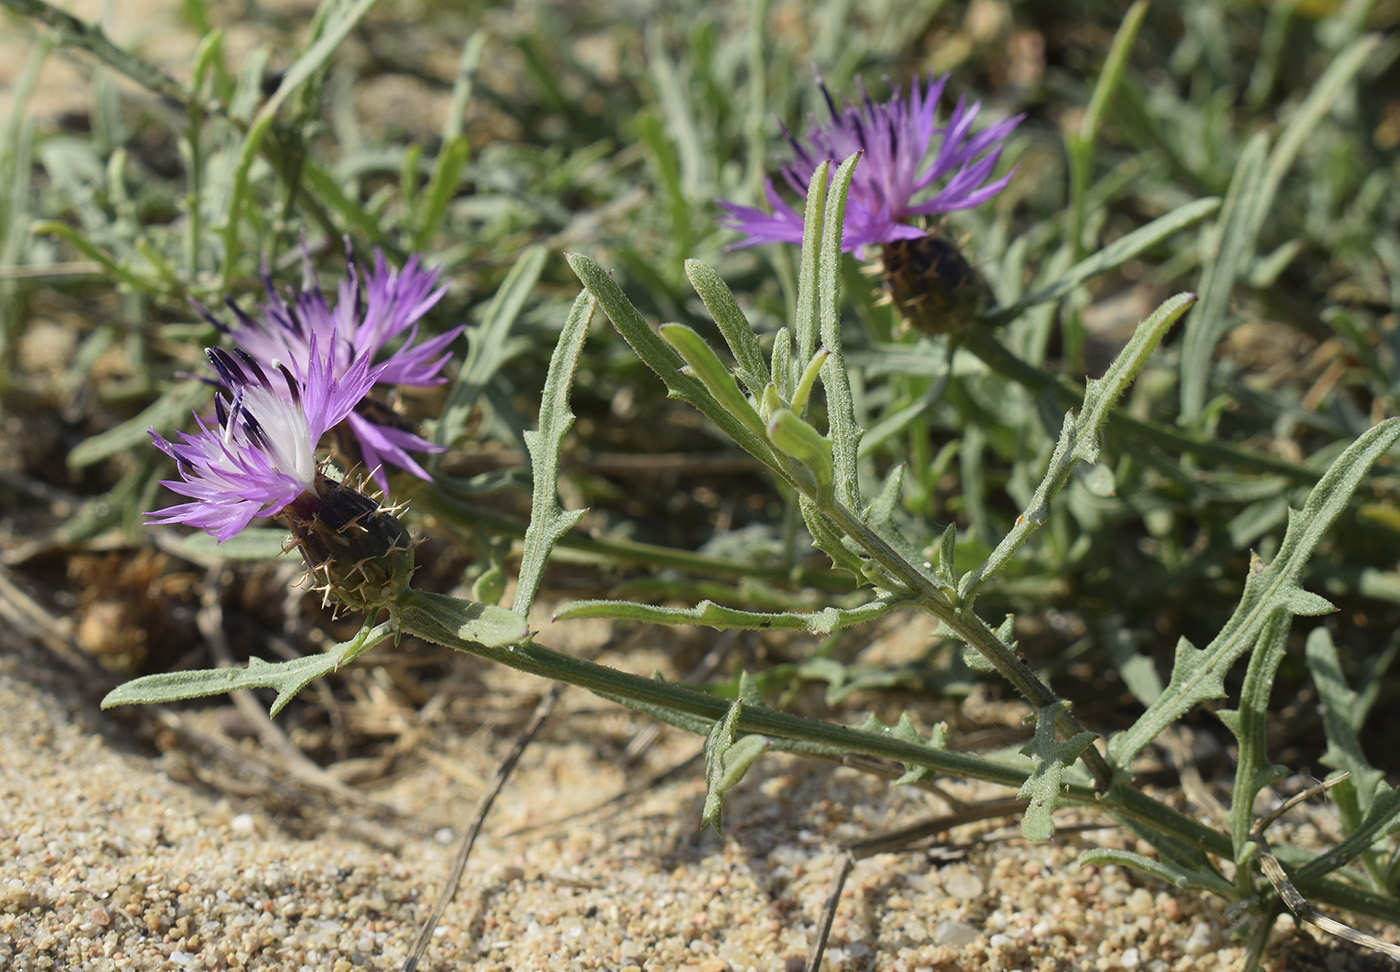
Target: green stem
<point x="438" y="618"/>
<point x="968" y="627"/>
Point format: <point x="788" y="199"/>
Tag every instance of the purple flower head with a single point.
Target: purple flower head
<point x="371" y="310"/>
<point x="260" y="455"/>
<point x="904" y="154"/>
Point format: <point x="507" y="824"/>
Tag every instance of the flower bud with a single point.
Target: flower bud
<point x="933" y="286"/>
<point x="357" y="552"/>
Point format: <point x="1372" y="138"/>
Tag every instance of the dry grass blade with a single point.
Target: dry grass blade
<point x="459" y="864"/>
<point x="1290" y="895"/>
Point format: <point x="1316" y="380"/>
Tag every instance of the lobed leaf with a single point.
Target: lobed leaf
<point x="904" y="731"/>
<point x="1050" y="757"/>
<point x="1199" y="674"/>
<point x="548" y="520"/>
<point x="1079" y="438"/>
<point x="287" y="677"/>
<point x="723" y="618"/>
<point x="1342" y="711"/>
<point x="728" y="757"/>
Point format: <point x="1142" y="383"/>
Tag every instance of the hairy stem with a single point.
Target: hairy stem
<point x="437" y="618"/>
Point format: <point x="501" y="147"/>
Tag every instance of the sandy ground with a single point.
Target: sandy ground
<point x="126" y="845"/>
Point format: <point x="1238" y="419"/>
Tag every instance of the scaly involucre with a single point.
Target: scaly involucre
<point x="372" y="309"/>
<point x="260" y="454"/>
<point x="899" y="163"/>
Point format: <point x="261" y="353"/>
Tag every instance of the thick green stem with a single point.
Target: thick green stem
<point x="438" y="619"/>
<point x="971" y="629"/>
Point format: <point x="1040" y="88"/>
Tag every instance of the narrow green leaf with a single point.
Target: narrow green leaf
<point x="805" y="324"/>
<point x="1169" y="871"/>
<point x="1101" y="393"/>
<point x="463" y="84"/>
<point x="252" y="543"/>
<point x="164" y="414"/>
<point x="738" y="333"/>
<point x="723" y="618"/>
<point x="803" y="392"/>
<point x="442" y="184"/>
<point x="1249" y="725"/>
<point x="659" y="356"/>
<point x="488" y="344"/>
<point x="1080" y="144"/>
<point x="287" y="677"/>
<point x="485" y="625"/>
<point x="728" y="757"/>
<point x="1239" y="223"/>
<point x="713" y="374"/>
<point x="845" y="432"/>
<point x="548" y="520"/>
<point x="1382" y="819"/>
<point x="783" y="378"/>
<point x="330" y="191"/>
<point x="307" y="64"/>
<point x="1198" y="674"/>
<point x="120" y="271"/>
<point x="1114" y="255"/>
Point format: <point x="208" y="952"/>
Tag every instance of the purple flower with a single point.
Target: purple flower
<point x="904" y="154"/>
<point x="371" y="310"/>
<point x="260" y="456"/>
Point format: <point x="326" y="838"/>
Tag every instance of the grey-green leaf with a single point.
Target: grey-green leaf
<point x="1199" y="674"/>
<point x="1050" y="756"/>
<point x="548" y="520"/>
<point x="724" y="618"/>
<point x="728" y="757"/>
<point x="287" y="677"/>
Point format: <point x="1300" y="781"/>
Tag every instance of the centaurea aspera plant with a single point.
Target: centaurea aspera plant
<point x="768" y="417"/>
<point x="373" y="308"/>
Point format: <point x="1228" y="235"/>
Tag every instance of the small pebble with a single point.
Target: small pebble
<point x="955" y="934"/>
<point x="1201" y="940"/>
<point x="242" y="824"/>
<point x="962" y="885"/>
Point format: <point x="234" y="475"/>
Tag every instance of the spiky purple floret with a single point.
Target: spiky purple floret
<point x="260" y="453"/>
<point x="372" y="309"/>
<point x="898" y="163"/>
